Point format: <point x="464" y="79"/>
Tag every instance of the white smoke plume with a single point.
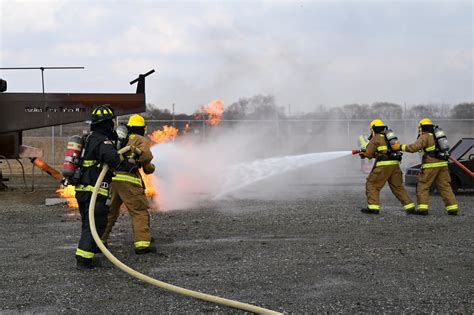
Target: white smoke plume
<point x="192" y="169"/>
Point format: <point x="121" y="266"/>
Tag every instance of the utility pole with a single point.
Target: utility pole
<point x="173" y="116"/>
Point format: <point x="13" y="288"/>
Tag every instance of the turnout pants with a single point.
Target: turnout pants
<point x="87" y="246"/>
<point x="134" y="198"/>
<point x="441" y="178"/>
<point x="377" y="179"/>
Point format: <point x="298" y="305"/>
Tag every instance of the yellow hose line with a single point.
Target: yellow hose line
<point x="145" y="278"/>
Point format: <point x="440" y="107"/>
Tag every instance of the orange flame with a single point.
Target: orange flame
<point x="215" y="110"/>
<point x="158" y="136"/>
<point x="69" y="193"/>
<point x="150" y="190"/>
<point x="168" y="133"/>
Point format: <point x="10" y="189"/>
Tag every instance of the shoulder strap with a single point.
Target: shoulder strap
<point x="436" y="140"/>
<point x="389" y="147"/>
<point x="87" y="143"/>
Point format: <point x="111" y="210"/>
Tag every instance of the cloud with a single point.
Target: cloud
<point x="20" y="17"/>
<point x="76" y="49"/>
<point x="305" y="54"/>
<point x="159" y="40"/>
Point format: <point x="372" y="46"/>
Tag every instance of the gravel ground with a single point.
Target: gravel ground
<point x="301" y="247"/>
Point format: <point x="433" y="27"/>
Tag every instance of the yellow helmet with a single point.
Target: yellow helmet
<point x="136" y="121"/>
<point x="377" y="123"/>
<point x="425" y="122"/>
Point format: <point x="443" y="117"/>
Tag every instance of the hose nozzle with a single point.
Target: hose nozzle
<point x="355" y="151"/>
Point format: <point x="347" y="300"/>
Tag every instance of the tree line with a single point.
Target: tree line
<point x="260" y="107"/>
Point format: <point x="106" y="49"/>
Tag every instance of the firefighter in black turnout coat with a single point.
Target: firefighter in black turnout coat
<point x="99" y="148"/>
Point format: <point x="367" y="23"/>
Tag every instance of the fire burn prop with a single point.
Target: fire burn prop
<point x="214" y="110"/>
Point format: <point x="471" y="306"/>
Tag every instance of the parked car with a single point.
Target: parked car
<point x="463" y="151"/>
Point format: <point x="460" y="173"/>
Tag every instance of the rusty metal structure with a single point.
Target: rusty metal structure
<point x="25" y="111"/>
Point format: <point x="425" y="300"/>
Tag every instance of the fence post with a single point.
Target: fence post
<point x="203" y="129"/>
<point x="53" y="159"/>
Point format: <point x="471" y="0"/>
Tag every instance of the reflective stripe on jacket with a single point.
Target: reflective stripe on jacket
<point x="102" y="191"/>
<point x="129" y="178"/>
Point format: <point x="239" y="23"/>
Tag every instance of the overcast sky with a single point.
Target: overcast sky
<point x="305" y="53"/>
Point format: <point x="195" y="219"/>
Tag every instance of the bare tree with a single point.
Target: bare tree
<point x="356" y="111"/>
<point x="256" y="107"/>
<point x="463" y="110"/>
<point x="387" y="110"/>
<point x="419" y="111"/>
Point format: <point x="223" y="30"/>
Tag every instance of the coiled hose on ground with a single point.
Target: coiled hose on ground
<point x="155" y="282"/>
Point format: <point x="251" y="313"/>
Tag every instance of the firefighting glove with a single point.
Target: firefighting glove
<point x="149" y="168"/>
<point x="396" y="146"/>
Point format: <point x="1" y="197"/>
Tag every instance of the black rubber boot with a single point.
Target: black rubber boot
<point x="369" y="211"/>
<point x="455" y="212"/>
<point x="87" y="263"/>
<point x="422" y="212"/>
<point x="145" y="250"/>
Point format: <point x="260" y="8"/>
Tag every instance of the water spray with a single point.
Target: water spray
<point x="245" y="174"/>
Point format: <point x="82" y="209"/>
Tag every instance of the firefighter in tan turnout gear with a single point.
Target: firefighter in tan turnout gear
<point x="127" y="187"/>
<point x="386" y="168"/>
<point x="434" y="167"/>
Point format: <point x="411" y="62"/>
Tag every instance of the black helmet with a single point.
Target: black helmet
<point x="102" y="113"/>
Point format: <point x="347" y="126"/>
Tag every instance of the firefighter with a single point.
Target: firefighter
<point x="98" y="149"/>
<point x="434" y="169"/>
<point x="127" y="187"/>
<point x="386" y="168"/>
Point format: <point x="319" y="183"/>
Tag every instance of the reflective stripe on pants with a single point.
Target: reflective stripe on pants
<point x="452" y="208"/>
<point x="142" y="244"/>
<point x="423" y="207"/>
<point x="373" y="207"/>
<point x="84" y="253"/>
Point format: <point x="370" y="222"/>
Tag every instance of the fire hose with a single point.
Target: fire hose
<point x="465" y="169"/>
<point x="155" y="282"/>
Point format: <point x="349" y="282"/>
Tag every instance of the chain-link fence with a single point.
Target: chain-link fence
<point x="281" y="136"/>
